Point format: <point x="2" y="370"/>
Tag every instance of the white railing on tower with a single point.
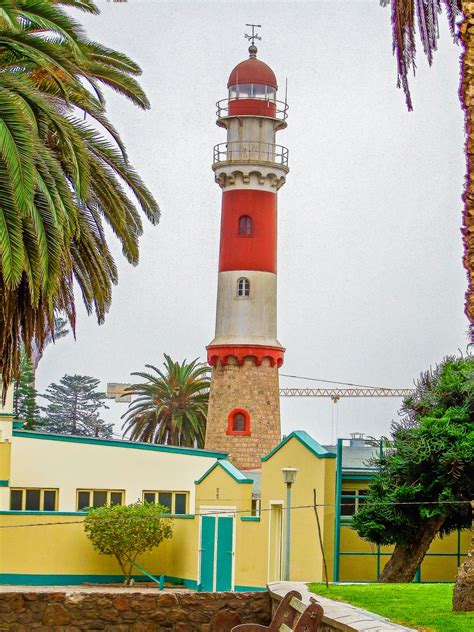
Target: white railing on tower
<point x="250" y="151"/>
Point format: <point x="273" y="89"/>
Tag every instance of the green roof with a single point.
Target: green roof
<point x="303" y="437"/>
<point x="118" y="443"/>
<point x="230" y="469"/>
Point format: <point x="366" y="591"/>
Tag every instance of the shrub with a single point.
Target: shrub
<point x="127" y="531"/>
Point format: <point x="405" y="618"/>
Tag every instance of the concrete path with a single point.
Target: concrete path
<point x="338" y="615"/>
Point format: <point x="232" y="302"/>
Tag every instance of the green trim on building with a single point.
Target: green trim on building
<point x="14" y="512"/>
<point x="75" y="580"/>
<point x="183" y="516"/>
<point x="250" y="518"/>
<point x="17" y="425"/>
<point x="230" y="469"/>
<point x="7" y="415"/>
<point x="304" y="438"/>
<point x="249" y="589"/>
<point x="4" y="483"/>
<point x="116" y="443"/>
<point x="179" y="581"/>
<point x="357" y="477"/>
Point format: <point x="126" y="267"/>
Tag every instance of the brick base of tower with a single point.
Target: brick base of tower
<point x="254" y="389"/>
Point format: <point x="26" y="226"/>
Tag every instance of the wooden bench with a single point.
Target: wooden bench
<point x="292" y="615"/>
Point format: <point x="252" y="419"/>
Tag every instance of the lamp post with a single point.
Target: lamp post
<point x="289" y="477"/>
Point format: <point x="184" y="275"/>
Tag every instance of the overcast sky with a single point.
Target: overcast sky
<point x="370" y="281"/>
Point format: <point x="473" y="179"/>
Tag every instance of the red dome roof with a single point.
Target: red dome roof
<point x="252" y="71"/>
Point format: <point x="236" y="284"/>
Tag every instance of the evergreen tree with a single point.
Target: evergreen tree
<point x="74" y="407"/>
<point x="24" y="399"/>
<point x="426" y="478"/>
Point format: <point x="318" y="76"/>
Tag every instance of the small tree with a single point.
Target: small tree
<point x="74" y="407"/>
<point x="127" y="531"/>
<point x="24" y="398"/>
<point x="426" y="478"/>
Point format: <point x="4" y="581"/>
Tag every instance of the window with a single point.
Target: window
<point x="245" y="226"/>
<point x="175" y="502"/>
<point x="33" y="499"/>
<point x="256" y="505"/>
<point x="98" y="498"/>
<point x="351" y="500"/>
<point x="243" y="288"/>
<point x="239" y="422"/>
<point x="252" y="90"/>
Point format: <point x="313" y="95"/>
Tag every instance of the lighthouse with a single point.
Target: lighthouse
<point x="245" y="354"/>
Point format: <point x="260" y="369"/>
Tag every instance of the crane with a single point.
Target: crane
<point x="118" y="391"/>
<point x="337" y="393"/>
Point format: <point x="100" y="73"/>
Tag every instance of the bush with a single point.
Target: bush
<point x="127" y="531"/>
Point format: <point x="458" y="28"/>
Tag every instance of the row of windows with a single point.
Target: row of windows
<point x="245" y="230"/>
<point x="249" y="90"/>
<point x="34" y="499"/>
<point x="176" y="502"/>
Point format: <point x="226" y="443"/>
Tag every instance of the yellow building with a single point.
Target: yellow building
<point x="228" y="525"/>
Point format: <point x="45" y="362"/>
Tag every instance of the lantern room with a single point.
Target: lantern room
<point x="252" y="89"/>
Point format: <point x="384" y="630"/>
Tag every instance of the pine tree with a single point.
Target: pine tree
<point x="74" y="407"/>
<point x="425" y="480"/>
<point x="24" y="399"/>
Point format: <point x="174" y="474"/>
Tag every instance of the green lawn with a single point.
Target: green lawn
<point x="419" y="606"/>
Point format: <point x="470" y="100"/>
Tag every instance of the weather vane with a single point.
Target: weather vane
<point x="254" y="35"/>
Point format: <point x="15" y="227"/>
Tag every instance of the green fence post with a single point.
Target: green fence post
<point x="337" y="520"/>
<point x="418" y="574"/>
<point x="152" y="577"/>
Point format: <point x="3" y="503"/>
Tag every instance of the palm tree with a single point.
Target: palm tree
<point x="61" y="178"/>
<point x="405" y="14"/>
<point x="403" y="22"/>
<point x="171" y="406"/>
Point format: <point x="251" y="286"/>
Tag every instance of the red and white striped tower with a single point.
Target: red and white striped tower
<point x="245" y="355"/>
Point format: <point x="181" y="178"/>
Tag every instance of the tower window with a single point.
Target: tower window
<point x="245" y="226"/>
<point x="243" y="288"/>
<point x="239" y="422"/>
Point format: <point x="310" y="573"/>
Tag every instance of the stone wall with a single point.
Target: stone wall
<point x="120" y="610"/>
<point x="255" y="389"/>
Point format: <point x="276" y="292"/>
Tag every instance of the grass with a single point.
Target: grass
<point x="420" y="606"/>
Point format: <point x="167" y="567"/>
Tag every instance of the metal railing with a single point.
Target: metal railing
<point x="249" y="151"/>
<point x="281" y="112"/>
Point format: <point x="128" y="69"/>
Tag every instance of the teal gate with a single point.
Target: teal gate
<point x="216" y="553"/>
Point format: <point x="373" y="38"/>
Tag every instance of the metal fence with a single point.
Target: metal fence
<point x="355" y="473"/>
<point x="249" y="151"/>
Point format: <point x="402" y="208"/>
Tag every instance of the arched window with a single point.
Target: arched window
<point x="245" y="226"/>
<point x="243" y="288"/>
<point x="239" y="423"/>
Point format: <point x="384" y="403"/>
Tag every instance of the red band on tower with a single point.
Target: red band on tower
<point x="243" y="248"/>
